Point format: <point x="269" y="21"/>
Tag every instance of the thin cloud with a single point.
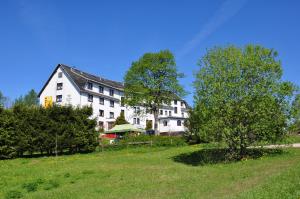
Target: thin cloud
<point x="226" y="11"/>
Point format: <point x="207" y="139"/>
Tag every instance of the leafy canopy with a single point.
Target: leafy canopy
<point x="240" y="97"/>
<point x="295" y="115"/>
<point x="30" y="99"/>
<point x="152" y="80"/>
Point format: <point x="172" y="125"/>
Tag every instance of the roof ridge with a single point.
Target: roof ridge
<point x="89" y="74"/>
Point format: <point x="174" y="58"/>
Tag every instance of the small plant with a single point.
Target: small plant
<point x="87" y="172"/>
<point x="13" y="194"/>
<point x="52" y="184"/>
<point x="30" y="187"/>
<point x="67" y="175"/>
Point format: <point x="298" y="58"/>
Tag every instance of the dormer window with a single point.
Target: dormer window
<point x="59" y="86"/>
<point x="90" y="86"/>
<point x="182" y="103"/>
<point x="111" y="92"/>
<point x="101" y="89"/>
<point x="59" y="74"/>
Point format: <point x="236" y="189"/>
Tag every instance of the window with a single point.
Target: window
<point x="101" y="113"/>
<point x="123" y="112"/>
<point x="175" y="110"/>
<point x="166" y="112"/>
<point x="90" y="98"/>
<point x="111" y="92"/>
<point x="110" y="125"/>
<point x="178" y="122"/>
<point x="175" y="102"/>
<point x="59" y="86"/>
<point x="122" y="101"/>
<point x="58" y="98"/>
<point x="161" y="112"/>
<point x="90" y="86"/>
<point x="101" y="100"/>
<point x="101" y="125"/>
<point x="137" y="110"/>
<point x="134" y="120"/>
<point x="101" y="89"/>
<point x="60" y="75"/>
<point x="112" y="103"/>
<point x="182" y="114"/>
<point x="111" y="115"/>
<point x="182" y="103"/>
<point x="137" y="120"/>
<point x="170" y="113"/>
<point x="165" y="123"/>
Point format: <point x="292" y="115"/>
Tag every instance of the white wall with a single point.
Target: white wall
<point x="71" y="95"/>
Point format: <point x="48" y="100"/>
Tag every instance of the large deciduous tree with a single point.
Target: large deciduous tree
<point x="152" y="81"/>
<point x="240" y="97"/>
<point x="295" y="115"/>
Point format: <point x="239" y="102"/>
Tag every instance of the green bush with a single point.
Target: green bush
<point x="13" y="195"/>
<point x="153" y="140"/>
<point x="30" y="187"/>
<point x="32" y="129"/>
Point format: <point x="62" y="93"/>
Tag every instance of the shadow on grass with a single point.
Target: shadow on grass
<point x="215" y="156"/>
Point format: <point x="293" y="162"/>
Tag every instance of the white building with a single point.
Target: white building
<point x="70" y="86"/>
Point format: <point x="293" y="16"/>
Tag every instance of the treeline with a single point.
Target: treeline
<point x="28" y="130"/>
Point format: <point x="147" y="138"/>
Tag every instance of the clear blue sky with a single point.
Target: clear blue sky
<point x="104" y="37"/>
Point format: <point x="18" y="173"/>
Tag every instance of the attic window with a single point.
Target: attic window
<point x="59" y="74"/>
<point x="90" y="86"/>
<point x="59" y="86"/>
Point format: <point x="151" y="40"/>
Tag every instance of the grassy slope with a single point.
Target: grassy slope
<point x="151" y="173"/>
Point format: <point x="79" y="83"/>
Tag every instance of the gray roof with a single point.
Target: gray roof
<point x="81" y="78"/>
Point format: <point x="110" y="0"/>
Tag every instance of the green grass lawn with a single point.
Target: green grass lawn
<point x="150" y="173"/>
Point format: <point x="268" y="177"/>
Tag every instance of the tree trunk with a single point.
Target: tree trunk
<point x="156" y="122"/>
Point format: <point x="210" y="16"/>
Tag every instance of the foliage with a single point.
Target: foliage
<point x="121" y="119"/>
<point x="13" y="195"/>
<point x="240" y="97"/>
<point x="30" y="99"/>
<point x="152" y="81"/>
<point x="295" y="113"/>
<point x="3" y="100"/>
<point x="31" y="129"/>
<point x="154" y="140"/>
<point x="148" y="125"/>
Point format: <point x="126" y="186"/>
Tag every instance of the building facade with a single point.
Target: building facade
<point x="70" y="86"/>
